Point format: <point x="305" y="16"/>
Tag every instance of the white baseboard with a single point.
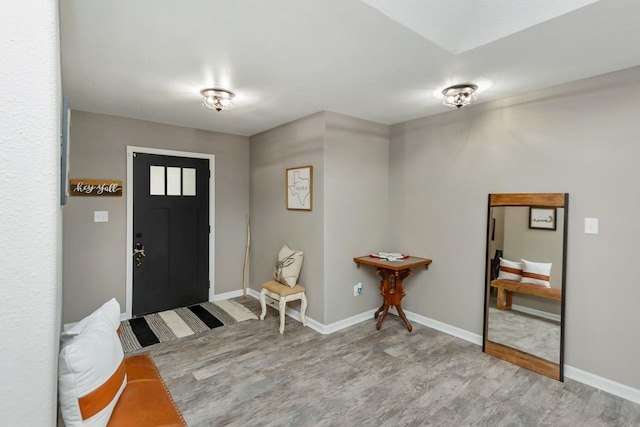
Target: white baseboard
<point x="350" y="321"/>
<point x="603" y="384"/>
<point x="444" y="327"/>
<point x="537" y="313"/>
<point x="575" y="374"/>
<point x="228" y="295"/>
<point x="294" y="314"/>
<point x="253" y="293"/>
<point x="368" y="315"/>
<point x="314" y="324"/>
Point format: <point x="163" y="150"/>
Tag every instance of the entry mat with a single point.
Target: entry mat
<point x="181" y="322"/>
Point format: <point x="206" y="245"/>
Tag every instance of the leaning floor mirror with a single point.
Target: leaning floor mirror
<point x="525" y="280"/>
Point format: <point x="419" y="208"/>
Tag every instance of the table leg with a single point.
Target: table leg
<point x="375" y="316"/>
<point x="403" y="317"/>
<point x="384" y="314"/>
<point x="384" y="287"/>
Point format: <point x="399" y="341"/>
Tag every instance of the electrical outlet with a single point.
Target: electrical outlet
<point x="357" y="289"/>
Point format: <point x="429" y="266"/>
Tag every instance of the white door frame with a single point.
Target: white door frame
<point x="212" y="214"/>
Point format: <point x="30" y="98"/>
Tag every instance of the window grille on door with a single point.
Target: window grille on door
<point x="172" y="181"/>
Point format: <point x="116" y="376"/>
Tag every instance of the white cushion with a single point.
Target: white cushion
<point x="536" y="273"/>
<point x="288" y="267"/>
<point x="91" y="373"/>
<point x="510" y="270"/>
<point x="111" y="309"/>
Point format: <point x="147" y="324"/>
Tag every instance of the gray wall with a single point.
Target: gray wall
<point x="498" y="234"/>
<point x="350" y="214"/>
<point x="356" y="211"/>
<point x="95" y="253"/>
<point x="581" y="138"/>
<point x="299" y="143"/>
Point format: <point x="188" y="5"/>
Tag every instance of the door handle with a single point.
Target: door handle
<point x="139" y="249"/>
<point x="138" y="253"/>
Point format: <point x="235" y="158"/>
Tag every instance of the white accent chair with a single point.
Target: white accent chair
<point x="283" y="294"/>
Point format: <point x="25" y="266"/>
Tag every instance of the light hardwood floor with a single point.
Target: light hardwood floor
<point x="247" y="374"/>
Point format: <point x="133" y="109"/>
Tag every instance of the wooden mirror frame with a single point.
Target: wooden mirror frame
<point x="510" y="354"/>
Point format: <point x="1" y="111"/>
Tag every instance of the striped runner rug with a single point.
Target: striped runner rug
<point x="181" y="322"/>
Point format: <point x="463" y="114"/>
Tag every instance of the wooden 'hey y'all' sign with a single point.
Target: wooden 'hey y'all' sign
<point x="95" y="187"/>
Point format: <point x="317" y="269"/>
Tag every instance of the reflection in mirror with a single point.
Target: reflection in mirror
<point x="524" y="302"/>
<point x="533" y="323"/>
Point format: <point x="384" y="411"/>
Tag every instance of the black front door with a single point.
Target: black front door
<point x="171" y="229"/>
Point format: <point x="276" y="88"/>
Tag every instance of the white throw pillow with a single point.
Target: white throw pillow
<point x="288" y="267"/>
<point x="536" y="273"/>
<point x="111" y="309"/>
<point x="91" y="373"/>
<point x="510" y="270"/>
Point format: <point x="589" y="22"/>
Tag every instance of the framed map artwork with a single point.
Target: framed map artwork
<point x="299" y="188"/>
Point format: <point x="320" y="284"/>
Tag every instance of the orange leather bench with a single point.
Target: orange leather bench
<point x="92" y="386"/>
<point x="145" y="400"/>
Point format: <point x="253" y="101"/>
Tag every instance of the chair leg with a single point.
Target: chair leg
<point x="303" y="310"/>
<point x="283" y="308"/>
<point x="263" y="304"/>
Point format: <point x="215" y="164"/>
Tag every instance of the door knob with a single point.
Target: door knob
<point x="138" y="253"/>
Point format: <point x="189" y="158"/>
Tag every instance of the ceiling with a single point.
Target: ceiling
<point x="380" y="60"/>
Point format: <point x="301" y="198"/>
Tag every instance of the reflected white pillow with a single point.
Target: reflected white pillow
<point x="536" y="273"/>
<point x="510" y="270"/>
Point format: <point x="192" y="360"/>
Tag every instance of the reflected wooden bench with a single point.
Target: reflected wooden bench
<point x="506" y="288"/>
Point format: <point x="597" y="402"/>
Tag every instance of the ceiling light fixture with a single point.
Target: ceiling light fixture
<point x="217" y="99"/>
<point x="458" y="96"/>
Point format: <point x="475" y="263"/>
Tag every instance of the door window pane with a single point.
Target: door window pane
<point x="156" y="180"/>
<point x="173" y="181"/>
<point x="188" y="182"/>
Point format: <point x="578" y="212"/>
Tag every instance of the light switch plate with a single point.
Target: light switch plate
<point x="100" y="216"/>
<point x="591" y="225"/>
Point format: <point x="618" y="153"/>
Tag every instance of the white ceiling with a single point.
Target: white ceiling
<point x="379" y="60"/>
<point x="462" y="25"/>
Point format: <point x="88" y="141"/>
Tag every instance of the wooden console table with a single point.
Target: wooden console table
<point x="391" y="289"/>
